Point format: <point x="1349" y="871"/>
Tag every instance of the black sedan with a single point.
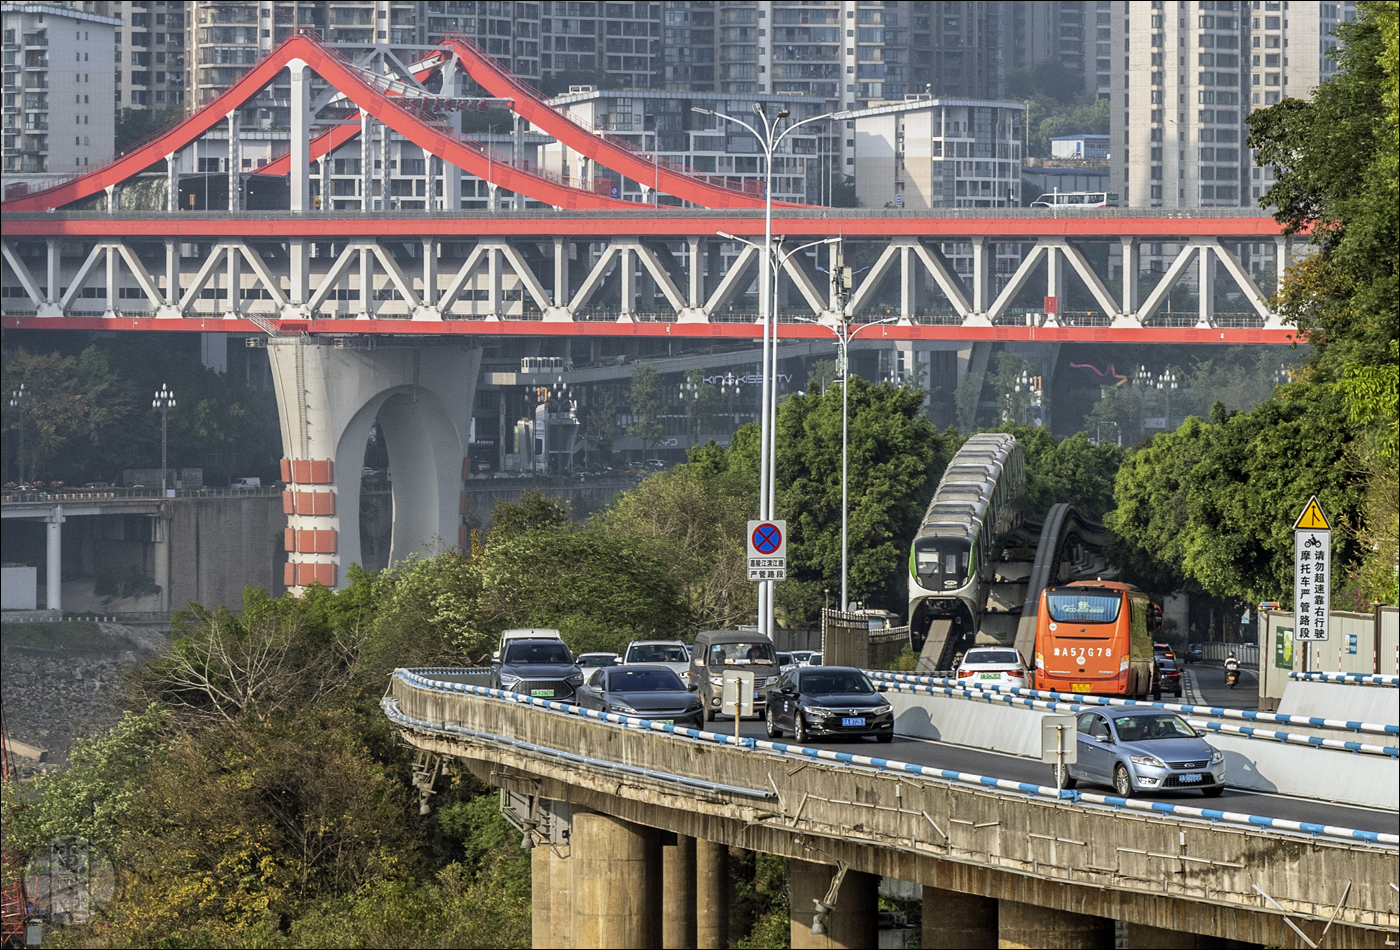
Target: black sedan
<point x="647" y="692"/>
<point x="828" y="701"/>
<point x="1170" y="676"/>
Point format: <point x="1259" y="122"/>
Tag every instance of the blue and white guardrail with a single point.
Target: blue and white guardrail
<point x="1075" y="706"/>
<point x="1218" y="712"/>
<point x="1351" y="679"/>
<point x="421" y="678"/>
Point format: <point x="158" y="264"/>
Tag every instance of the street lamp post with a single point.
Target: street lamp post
<point x="1166" y="382"/>
<point x="844" y="334"/>
<point x="17" y="403"/>
<point x="770" y="138"/>
<point x="164" y="401"/>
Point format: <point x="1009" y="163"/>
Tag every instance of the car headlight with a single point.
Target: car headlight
<point x="1216" y="756"/>
<point x="1149" y="760"/>
<point x="622" y="708"/>
<point x="509" y="680"/>
<point x="574" y="679"/>
<point x="717" y="681"/>
<point x="882" y="708"/>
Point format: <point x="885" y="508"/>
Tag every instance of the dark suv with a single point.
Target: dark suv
<point x="543" y="669"/>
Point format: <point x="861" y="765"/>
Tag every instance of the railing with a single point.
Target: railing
<point x="1358" y="679"/>
<point x="1218" y="712"/>
<point x="49" y="496"/>
<point x="422" y="679"/>
<point x="1075" y="704"/>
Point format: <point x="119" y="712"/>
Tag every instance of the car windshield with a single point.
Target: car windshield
<point x="1078" y="607"/>
<point x="538" y="653"/>
<point x="990" y="656"/>
<point x="638" y="681"/>
<point x="833" y="682"/>
<point x="657" y="653"/>
<point x="588" y="660"/>
<point x="740" y="654"/>
<point x="1139" y="728"/>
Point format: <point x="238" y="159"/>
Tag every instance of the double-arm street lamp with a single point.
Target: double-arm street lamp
<point x="1166" y="383"/>
<point x="769" y="137"/>
<point x="17" y="403"/>
<point x="845" y="333"/>
<point x="164" y="401"/>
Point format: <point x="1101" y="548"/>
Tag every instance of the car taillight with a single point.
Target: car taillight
<point x="1018" y="673"/>
<point x="962" y="673"/>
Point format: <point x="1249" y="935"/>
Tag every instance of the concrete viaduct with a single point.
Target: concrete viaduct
<point x="631" y="825"/>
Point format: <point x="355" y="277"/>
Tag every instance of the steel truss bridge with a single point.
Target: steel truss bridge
<point x="595" y="265"/>
<point x="639" y="272"/>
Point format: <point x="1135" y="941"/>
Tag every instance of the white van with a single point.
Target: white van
<point x="524" y="633"/>
<point x="240" y="483"/>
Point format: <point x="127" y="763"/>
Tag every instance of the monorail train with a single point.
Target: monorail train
<point x="976" y="507"/>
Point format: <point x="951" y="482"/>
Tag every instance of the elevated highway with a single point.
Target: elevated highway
<point x="1001" y="856"/>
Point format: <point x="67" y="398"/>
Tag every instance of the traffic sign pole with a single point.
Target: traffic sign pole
<point x="1312" y="576"/>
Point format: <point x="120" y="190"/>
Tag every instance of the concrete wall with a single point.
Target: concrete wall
<point x="1260" y="764"/>
<point x="220" y="545"/>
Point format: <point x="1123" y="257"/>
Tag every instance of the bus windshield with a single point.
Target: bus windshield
<point x="1083" y="607"/>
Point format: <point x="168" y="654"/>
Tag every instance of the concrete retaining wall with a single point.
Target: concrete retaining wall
<point x="1347" y="701"/>
<point x="1259" y="764"/>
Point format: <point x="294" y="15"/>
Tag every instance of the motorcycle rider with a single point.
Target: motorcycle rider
<point x="1232" y="669"/>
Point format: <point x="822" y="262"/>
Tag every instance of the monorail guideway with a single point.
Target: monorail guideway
<point x="977" y="566"/>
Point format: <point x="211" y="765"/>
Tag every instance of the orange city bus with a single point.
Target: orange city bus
<point x="1095" y="637"/>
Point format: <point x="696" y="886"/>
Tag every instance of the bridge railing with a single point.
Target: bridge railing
<point x="407" y="708"/>
<point x="1216" y="712"/>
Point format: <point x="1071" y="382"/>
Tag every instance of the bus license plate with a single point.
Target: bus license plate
<point x="1189" y="777"/>
<point x="989" y="676"/>
<point x="853" y="721"/>
<point x="1079" y="688"/>
<point x="542" y="693"/>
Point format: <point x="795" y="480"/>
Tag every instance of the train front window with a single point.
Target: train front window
<point x="941" y="565"/>
<point x="1079" y="607"/>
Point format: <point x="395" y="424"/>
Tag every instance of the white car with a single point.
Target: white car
<point x="992" y="666"/>
<point x="800" y="657"/>
<point x="671" y="654"/>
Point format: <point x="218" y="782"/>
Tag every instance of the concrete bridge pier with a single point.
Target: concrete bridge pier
<point x="854" y="918"/>
<point x="678" y="892"/>
<point x="1044" y="928"/>
<point x="711" y="894"/>
<point x="617" y="882"/>
<point x="957" y="921"/>
<point x="327" y="400"/>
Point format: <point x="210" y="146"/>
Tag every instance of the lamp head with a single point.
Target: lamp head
<point x="758" y="108"/>
<point x="784" y="114"/>
<point x="701" y="111"/>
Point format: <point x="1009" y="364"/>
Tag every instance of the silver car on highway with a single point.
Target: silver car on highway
<point x="1144" y="750"/>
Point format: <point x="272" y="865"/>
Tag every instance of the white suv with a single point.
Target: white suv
<point x="671" y="654"/>
<point x="992" y="666"/>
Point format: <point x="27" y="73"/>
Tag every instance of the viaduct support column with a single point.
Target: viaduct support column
<point x="854" y="920"/>
<point x="616" y="882"/>
<point x="53" y="564"/>
<point x="711" y="894"/>
<point x="678" y="894"/>
<point x="541" y="897"/>
<point x="953" y="920"/>
<point x="1030" y="927"/>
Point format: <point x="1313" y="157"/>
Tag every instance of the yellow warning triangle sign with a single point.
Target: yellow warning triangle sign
<point x="1312" y="518"/>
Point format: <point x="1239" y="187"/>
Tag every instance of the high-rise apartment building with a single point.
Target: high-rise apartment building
<point x="688" y="45"/>
<point x="57" y="79"/>
<point x="150" y="46"/>
<point x="618" y="45"/>
<point x="1040" y="31"/>
<point x="1183" y="77"/>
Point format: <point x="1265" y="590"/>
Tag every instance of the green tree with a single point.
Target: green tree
<point x="600" y="422"/>
<point x="644" y="402"/>
<point x="534" y="512"/>
<point x="896" y="458"/>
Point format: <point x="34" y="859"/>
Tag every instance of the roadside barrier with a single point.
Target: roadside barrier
<point x="421" y="679"/>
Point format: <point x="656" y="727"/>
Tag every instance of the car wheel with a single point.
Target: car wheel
<point x="1122" y="783"/>
<point x="773" y="731"/>
<point x="1069" y="781"/>
<point x="799" y="729"/>
<point x="1157" y="693"/>
<point x="884" y="736"/>
<point x="1178" y="694"/>
<point x="1213" y="792"/>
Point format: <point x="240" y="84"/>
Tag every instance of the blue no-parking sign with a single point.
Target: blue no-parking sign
<point x="767" y="550"/>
